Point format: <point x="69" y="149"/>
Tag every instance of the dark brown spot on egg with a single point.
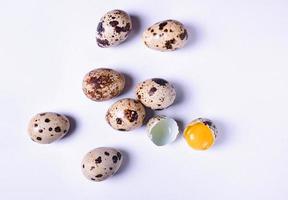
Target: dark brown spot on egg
<point x="98" y="176"/>
<point x="91" y="168"/>
<point x="57" y="129"/>
<point x="119" y="121"/>
<point x="99" y="82"/>
<point x="114" y="23"/>
<point x="131" y="115"/>
<point x="160" y="81"/>
<point x="42" y="114"/>
<point x="121" y="129"/>
<point x="207" y="123"/>
<point x="110" y="168"/>
<point x="106" y="153"/>
<point x="35" y="125"/>
<point x="119" y="155"/>
<point x="39" y="138"/>
<point x="161" y="25"/>
<point x="93" y="179"/>
<point x="165" y="30"/>
<point x="40" y="131"/>
<point x="102" y="43"/>
<point x="100" y="28"/>
<point x="98" y="160"/>
<point x="119" y="29"/>
<point x="47" y="120"/>
<point x="183" y="35"/>
<point x="114" y="159"/>
<point x="168" y="43"/>
<point x="118" y="12"/>
<point x="50" y="129"/>
<point x="152" y="91"/>
<point x="83" y="166"/>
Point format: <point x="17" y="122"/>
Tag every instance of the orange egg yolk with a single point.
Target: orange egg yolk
<point x="199" y="136"/>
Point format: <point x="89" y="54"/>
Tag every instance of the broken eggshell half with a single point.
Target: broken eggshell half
<point x="162" y="130"/>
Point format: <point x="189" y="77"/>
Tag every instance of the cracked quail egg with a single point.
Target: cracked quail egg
<point x="103" y="84"/>
<point x="101" y="163"/>
<point x="113" y="28"/>
<point x="45" y="128"/>
<point x="167" y="35"/>
<point x="156" y="93"/>
<point x="126" y="114"/>
<point x="162" y="130"/>
<point x="200" y="134"/>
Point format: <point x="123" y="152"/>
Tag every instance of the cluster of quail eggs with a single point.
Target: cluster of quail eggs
<point x="129" y="113"/>
<point x="115" y="26"/>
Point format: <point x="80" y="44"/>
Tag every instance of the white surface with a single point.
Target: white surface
<point x="234" y="71"/>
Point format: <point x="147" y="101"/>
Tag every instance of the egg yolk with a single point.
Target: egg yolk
<point x="199" y="136"/>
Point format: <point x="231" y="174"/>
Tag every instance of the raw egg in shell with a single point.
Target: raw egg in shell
<point x="200" y="134"/>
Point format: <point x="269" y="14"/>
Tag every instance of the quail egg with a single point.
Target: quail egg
<point x="200" y="134"/>
<point x="162" y="130"/>
<point x="113" y="28"/>
<point x="156" y="93"/>
<point x="103" y="84"/>
<point x="126" y="114"/>
<point x="167" y="35"/>
<point x="101" y="163"/>
<point x="45" y="128"/>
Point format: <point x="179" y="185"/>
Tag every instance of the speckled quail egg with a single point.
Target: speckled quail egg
<point x="101" y="163"/>
<point x="162" y="130"/>
<point x="103" y="84"/>
<point x="47" y="127"/>
<point x="113" y="28"/>
<point x="167" y="35"/>
<point x="200" y="134"/>
<point x="126" y="114"/>
<point x="156" y="93"/>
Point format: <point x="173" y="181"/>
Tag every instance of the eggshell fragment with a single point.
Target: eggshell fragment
<point x="162" y="130"/>
<point x="101" y="163"/>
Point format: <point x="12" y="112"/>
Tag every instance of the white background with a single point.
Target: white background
<point x="233" y="71"/>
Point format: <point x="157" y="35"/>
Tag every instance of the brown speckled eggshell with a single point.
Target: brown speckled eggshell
<point x="45" y="128"/>
<point x="156" y="93"/>
<point x="167" y="35"/>
<point x="103" y="84"/>
<point x="126" y="114"/>
<point x="101" y="163"/>
<point x="113" y="28"/>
